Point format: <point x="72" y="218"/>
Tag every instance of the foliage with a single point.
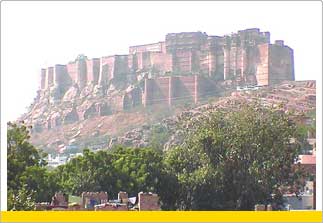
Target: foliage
<point x="230" y="160"/>
<point x="234" y="159"/>
<point x="25" y="171"/>
<point x="159" y="136"/>
<point x="307" y="130"/>
<point x="122" y="169"/>
<point x="20" y="153"/>
<point x="21" y="199"/>
<point x="42" y="181"/>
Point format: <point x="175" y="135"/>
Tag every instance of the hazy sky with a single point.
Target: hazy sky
<point x="40" y="34"/>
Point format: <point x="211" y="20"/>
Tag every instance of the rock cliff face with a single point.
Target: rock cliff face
<point x="185" y="68"/>
<point x="299" y="97"/>
<point x="157" y="125"/>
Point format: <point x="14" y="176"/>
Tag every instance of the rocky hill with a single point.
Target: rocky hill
<point x="92" y="102"/>
<point x="142" y="127"/>
<point x="297" y="96"/>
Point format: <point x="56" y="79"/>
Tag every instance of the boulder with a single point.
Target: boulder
<point x="70" y="116"/>
<point x="72" y="93"/>
<point x="98" y="91"/>
<point x="87" y="110"/>
<point x="103" y="109"/>
<point x="87" y="91"/>
<point x="55" y="94"/>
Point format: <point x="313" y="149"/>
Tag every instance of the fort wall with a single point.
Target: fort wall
<point x="281" y="63"/>
<point x="93" y="68"/>
<point x="184" y="67"/>
<point x="177" y="89"/>
<point x="43" y="79"/>
<point x="72" y="71"/>
<point x="153" y="47"/>
<point x="230" y="57"/>
<point x="263" y="65"/>
<point x="49" y="77"/>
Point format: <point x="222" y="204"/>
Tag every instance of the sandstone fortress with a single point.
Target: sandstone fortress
<point x="184" y="67"/>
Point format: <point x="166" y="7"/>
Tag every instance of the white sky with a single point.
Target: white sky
<point x="41" y="34"/>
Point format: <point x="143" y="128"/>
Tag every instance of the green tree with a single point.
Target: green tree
<point x="28" y="180"/>
<point x="90" y="172"/>
<point x="42" y="181"/>
<point x="21" y="199"/>
<point x="120" y="169"/>
<point x="20" y="153"/>
<point x="159" y="136"/>
<point x="306" y="130"/>
<point x="234" y="158"/>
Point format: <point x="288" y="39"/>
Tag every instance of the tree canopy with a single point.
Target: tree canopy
<point x="231" y="159"/>
<point x="28" y="180"/>
<point x="234" y="159"/>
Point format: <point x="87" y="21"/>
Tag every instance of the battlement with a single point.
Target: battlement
<point x="227" y="57"/>
<point x="184" y="67"/>
<point x="152" y="47"/>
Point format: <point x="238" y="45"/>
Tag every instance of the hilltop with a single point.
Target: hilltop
<point x="140" y="127"/>
<point x="92" y="102"/>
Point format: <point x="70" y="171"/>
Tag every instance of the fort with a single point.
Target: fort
<point x="184" y="67"/>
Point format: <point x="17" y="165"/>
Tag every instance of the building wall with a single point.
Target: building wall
<point x="43" y="79"/>
<point x="263" y="67"/>
<point x="132" y="62"/>
<point x="182" y="61"/>
<point x="49" y="77"/>
<point x="62" y="79"/>
<point x="153" y="47"/>
<point x="148" y="92"/>
<point x="121" y="68"/>
<point x="240" y="53"/>
<point x="144" y="61"/>
<point x="81" y="78"/>
<point x="89" y="197"/>
<point x="60" y="73"/>
<point x="113" y="67"/>
<point x="148" y="202"/>
<point x="184" y="48"/>
<point x="247" y="53"/>
<point x="156" y="91"/>
<point x="281" y="63"/>
<point x="226" y="63"/>
<point x="177" y="89"/>
<point x="112" y="207"/>
<point x="276" y="64"/>
<point x="107" y="69"/>
<point x="72" y="71"/>
<point x="205" y="88"/>
<point x="186" y="89"/>
<point x="93" y="70"/>
<point x="185" y="40"/>
<point x="207" y="56"/>
<point x="161" y="61"/>
<point x="132" y="98"/>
